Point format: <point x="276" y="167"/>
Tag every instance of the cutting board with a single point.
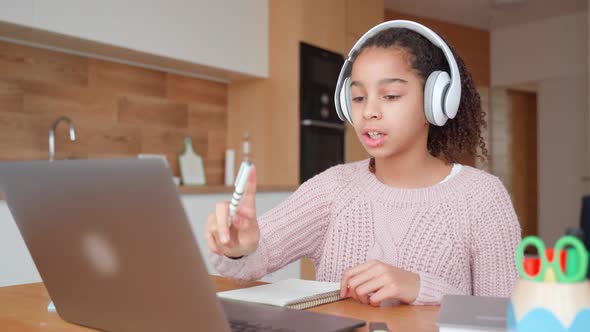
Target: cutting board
<point x="191" y="165"/>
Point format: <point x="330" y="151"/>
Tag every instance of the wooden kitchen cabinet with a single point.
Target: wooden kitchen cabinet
<point x="269" y="109"/>
<point x="324" y="24"/>
<point x="362" y="15"/>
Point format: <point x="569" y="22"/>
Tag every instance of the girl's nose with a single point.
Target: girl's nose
<point x="371" y="110"/>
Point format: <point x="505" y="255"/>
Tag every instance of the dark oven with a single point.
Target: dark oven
<point x="321" y="131"/>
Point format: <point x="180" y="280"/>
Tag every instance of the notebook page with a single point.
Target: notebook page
<point x="282" y="293"/>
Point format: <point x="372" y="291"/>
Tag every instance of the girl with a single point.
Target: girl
<point x="409" y="224"/>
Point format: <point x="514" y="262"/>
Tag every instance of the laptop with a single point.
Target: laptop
<point x="116" y="252"/>
<point x="461" y="313"/>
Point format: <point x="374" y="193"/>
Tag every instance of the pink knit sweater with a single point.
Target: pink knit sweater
<point x="459" y="236"/>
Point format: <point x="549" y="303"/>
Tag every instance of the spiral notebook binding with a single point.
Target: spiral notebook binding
<point x="315" y="300"/>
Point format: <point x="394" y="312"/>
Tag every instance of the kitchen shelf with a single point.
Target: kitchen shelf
<point x="218" y="189"/>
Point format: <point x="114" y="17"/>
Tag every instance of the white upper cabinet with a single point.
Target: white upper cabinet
<point x="17" y="11"/>
<point x="230" y="35"/>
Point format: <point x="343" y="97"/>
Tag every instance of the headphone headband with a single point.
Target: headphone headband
<point x="453" y="93"/>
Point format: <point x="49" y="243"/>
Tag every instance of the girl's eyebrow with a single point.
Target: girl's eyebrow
<point x="383" y="81"/>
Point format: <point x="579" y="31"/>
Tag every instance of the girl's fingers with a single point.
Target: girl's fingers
<point x="210" y="230"/>
<point x="351" y="272"/>
<point x="221" y="215"/>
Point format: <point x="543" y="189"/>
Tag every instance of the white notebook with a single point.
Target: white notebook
<point x="290" y="293"/>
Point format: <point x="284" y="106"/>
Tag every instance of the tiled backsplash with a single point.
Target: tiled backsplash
<point x="118" y="110"/>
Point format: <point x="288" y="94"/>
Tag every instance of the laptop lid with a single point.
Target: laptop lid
<point x="112" y="244"/>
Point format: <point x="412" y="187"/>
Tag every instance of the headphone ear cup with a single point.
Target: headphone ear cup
<point x="345" y="100"/>
<point x="434" y="96"/>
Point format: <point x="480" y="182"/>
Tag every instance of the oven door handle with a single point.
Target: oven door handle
<point x="322" y="124"/>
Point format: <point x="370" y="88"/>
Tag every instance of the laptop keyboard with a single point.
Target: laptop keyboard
<point x="244" y="326"/>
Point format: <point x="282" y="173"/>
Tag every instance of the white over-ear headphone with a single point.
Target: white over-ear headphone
<point x="442" y="92"/>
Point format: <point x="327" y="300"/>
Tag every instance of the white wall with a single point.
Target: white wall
<point x="562" y="117"/>
<point x="17" y="267"/>
<point x="552" y="54"/>
<point x="231" y="35"/>
<point x="555" y="47"/>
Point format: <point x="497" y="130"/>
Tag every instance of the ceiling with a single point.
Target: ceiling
<point x="487" y="14"/>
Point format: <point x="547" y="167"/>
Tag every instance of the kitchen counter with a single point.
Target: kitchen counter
<point x="219" y="189"/>
<point x="19" y="268"/>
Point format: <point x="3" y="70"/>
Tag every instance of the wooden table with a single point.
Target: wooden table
<point x="23" y="308"/>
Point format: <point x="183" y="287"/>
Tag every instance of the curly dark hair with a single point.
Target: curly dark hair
<point x="460" y="136"/>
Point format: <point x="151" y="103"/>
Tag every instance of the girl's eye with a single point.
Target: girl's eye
<point x="358" y="99"/>
<point x="392" y="97"/>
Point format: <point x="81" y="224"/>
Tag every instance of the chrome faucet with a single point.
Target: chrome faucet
<point x="52" y="135"/>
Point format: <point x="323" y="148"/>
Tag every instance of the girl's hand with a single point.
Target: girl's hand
<point x="241" y="238"/>
<point x="375" y="281"/>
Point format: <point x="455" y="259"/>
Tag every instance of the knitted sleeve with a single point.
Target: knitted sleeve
<point x="494" y="236"/>
<point x="433" y="288"/>
<point x="293" y="229"/>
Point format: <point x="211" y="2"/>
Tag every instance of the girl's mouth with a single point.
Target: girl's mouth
<point x="374" y="138"/>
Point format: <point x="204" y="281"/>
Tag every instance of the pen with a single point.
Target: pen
<point x="241" y="182"/>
